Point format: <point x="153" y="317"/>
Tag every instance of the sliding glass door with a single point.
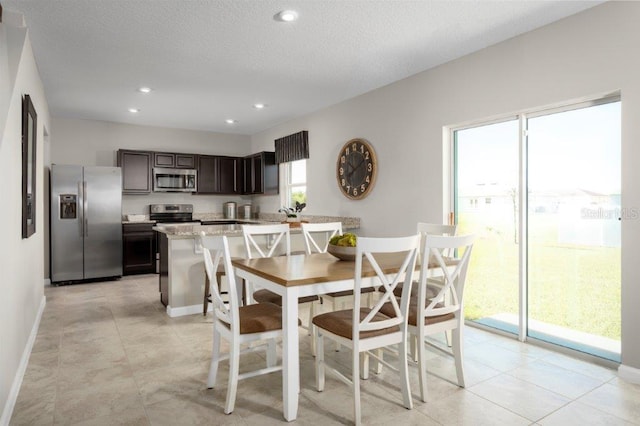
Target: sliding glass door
<point x="574" y="228"/>
<point x="560" y="280"/>
<point x="486" y="205"/>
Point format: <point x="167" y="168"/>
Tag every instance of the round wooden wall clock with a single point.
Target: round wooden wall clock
<point x="356" y="169"/>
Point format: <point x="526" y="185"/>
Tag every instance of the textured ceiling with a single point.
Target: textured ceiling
<point x="212" y="60"/>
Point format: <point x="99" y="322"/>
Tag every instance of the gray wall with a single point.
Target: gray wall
<point x="90" y="142"/>
<point x="583" y="56"/>
<point x="21" y="260"/>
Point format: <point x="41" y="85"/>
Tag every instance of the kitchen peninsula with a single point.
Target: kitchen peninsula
<point x="182" y="268"/>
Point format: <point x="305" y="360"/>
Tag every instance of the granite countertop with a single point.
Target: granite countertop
<point x="191" y="231"/>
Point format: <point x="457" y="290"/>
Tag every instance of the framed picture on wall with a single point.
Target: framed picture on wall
<point x="29" y="134"/>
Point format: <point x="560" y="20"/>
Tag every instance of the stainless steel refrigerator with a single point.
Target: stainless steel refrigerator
<point x="86" y="223"/>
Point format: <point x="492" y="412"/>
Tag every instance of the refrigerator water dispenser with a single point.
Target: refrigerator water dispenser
<point x="68" y="206"/>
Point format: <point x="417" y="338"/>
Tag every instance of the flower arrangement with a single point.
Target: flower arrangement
<point x="292" y="212"/>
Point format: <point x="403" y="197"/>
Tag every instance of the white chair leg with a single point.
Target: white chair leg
<point x="448" y="338"/>
<point x="404" y="375"/>
<point x="379" y="364"/>
<point x="357" y="414"/>
<point x="234" y="366"/>
<point x="271" y="353"/>
<point x="215" y="357"/>
<point x="335" y="305"/>
<point x="311" y="328"/>
<point x="457" y="353"/>
<point x="413" y="340"/>
<point x="422" y="367"/>
<point x="319" y="361"/>
<point x="365" y="366"/>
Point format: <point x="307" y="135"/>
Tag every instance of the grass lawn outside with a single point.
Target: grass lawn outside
<point x="570" y="285"/>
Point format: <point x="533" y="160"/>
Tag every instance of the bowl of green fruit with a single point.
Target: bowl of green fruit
<point x="343" y="246"/>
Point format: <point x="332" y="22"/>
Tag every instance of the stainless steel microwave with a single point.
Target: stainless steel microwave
<point x="175" y="180"/>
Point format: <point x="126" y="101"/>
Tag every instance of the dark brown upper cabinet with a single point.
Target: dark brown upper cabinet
<point x="136" y="171"/>
<point x="174" y="161"/>
<point x="219" y="175"/>
<point x="261" y="174"/>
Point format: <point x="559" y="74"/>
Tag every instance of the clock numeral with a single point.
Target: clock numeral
<point x="343" y="159"/>
<point x="355" y="192"/>
<point x="366" y="155"/>
<point x="367" y="179"/>
<point x="354" y="147"/>
<point x="348" y="188"/>
<point x="346" y="151"/>
<point x="369" y="167"/>
<point x="343" y="182"/>
<point x="341" y="171"/>
<point x="362" y="188"/>
<point x="362" y="148"/>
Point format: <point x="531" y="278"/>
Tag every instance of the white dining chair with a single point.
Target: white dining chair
<point x="238" y="325"/>
<point x="268" y="241"/>
<point x="429" y="314"/>
<point x="317" y="235"/>
<point x="316" y="239"/>
<point x="425" y="229"/>
<point x="366" y="329"/>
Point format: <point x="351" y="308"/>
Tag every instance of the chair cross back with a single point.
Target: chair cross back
<point x="220" y="249"/>
<point x="330" y="229"/>
<point x="279" y="232"/>
<point x="365" y="249"/>
<point x="453" y="273"/>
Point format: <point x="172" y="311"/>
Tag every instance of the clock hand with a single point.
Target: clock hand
<point x="356" y="167"/>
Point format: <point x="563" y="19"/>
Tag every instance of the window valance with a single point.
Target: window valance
<point x="293" y="147"/>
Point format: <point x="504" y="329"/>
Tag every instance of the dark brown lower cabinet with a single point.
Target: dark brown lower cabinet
<point x="138" y="249"/>
<point x="163" y="279"/>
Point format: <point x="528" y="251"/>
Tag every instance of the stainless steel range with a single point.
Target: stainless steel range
<point x="172" y="214"/>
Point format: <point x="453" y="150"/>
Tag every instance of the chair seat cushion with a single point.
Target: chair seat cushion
<point x="260" y="317"/>
<point x="266" y="296"/>
<point x="341" y="323"/>
<point x="432" y="291"/>
<point x="350" y="292"/>
<point x="387" y="309"/>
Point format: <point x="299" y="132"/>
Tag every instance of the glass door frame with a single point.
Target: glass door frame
<point x="523" y="217"/>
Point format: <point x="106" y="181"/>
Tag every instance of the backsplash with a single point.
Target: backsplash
<point x="139" y="204"/>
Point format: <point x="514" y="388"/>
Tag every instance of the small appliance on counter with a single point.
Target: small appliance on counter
<point x="245" y="211"/>
<point x="229" y="210"/>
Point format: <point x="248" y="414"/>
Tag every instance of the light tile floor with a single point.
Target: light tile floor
<point x="107" y="353"/>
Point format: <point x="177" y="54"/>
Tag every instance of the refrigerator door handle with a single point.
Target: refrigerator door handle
<point x="80" y="200"/>
<point x="85" y="208"/>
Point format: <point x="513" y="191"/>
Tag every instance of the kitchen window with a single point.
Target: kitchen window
<point x="294" y="182"/>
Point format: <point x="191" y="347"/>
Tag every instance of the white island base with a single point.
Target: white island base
<point x="182" y="269"/>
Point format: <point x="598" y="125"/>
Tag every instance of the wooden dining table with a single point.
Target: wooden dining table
<point x="302" y="275"/>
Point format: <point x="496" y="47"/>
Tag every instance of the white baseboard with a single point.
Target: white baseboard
<point x="47" y="281"/>
<point x="629" y="374"/>
<point x="186" y="310"/>
<point x="22" y="368"/>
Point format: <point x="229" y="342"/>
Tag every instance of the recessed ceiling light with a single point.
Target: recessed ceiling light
<point x="134" y="110"/>
<point x="230" y="121"/>
<point x="259" y="106"/>
<point x="286" y="16"/>
<point x="144" y="89"/>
